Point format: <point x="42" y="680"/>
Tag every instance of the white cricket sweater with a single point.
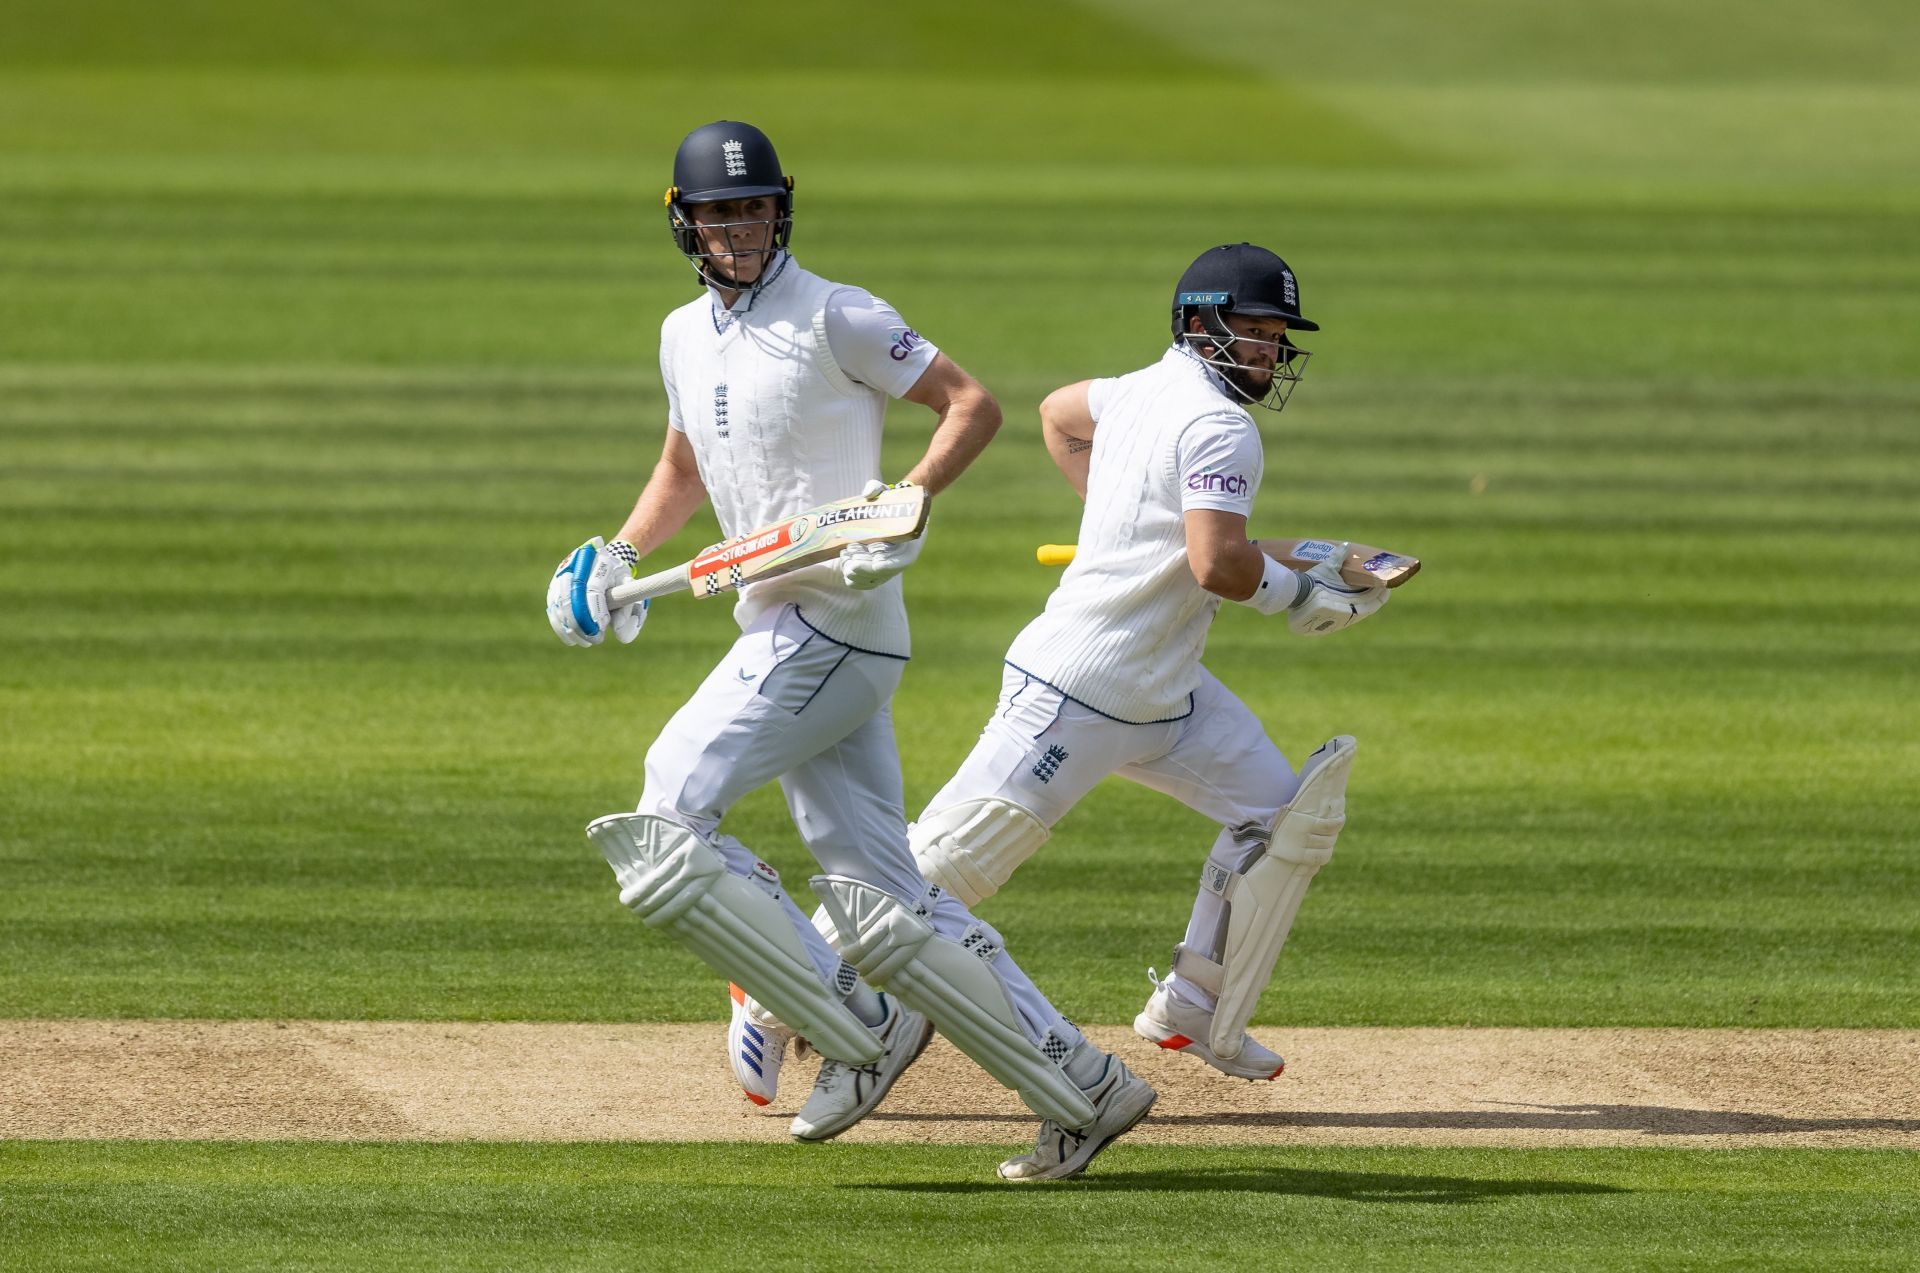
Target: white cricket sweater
<point x="777" y="426"/>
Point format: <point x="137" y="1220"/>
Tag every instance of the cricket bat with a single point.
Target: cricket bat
<point x="788" y="544"/>
<point x="1365" y="566"/>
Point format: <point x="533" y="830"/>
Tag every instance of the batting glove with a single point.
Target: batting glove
<point x="577" y="606"/>
<point x="1331" y="603"/>
<point x="864" y="566"/>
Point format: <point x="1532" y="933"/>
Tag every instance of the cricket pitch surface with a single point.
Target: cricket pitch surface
<point x="457" y="1081"/>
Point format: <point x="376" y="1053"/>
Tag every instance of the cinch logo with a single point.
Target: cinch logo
<point x="905" y="341"/>
<point x="1050" y="763"/>
<point x="720" y="409"/>
<point x="1218" y="483"/>
<point x="736" y="159"/>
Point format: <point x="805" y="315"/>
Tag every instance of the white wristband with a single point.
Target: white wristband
<point x="1279" y="589"/>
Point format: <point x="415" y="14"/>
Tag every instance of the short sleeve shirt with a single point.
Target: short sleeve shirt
<point x="873" y="344"/>
<point x="1219" y="460"/>
<point x="869" y="340"/>
<point x="1219" y="457"/>
<point x="1097" y="394"/>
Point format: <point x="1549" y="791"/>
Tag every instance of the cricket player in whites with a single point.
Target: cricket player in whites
<point x="1108" y="679"/>
<point x="777" y="382"/>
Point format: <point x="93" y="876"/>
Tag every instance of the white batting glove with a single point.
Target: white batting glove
<point x="864" y="566"/>
<point x="577" y="606"/>
<point x="1331" y="602"/>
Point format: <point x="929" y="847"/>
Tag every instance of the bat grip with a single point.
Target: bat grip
<point x="1054" y="554"/>
<point x="658" y="584"/>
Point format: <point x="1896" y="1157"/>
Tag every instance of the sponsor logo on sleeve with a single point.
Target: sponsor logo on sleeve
<point x="1235" y="484"/>
<point x="905" y="341"/>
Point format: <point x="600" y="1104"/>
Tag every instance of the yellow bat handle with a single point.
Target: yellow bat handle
<point x="1054" y="554"/>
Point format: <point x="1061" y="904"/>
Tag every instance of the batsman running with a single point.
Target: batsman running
<point x="777" y="382"/>
<point x="1109" y="680"/>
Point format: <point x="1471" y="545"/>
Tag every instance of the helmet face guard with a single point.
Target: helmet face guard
<point x="720" y="268"/>
<point x="1215" y="346"/>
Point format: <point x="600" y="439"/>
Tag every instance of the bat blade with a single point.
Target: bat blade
<point x="1364" y="567"/>
<point x="788" y="545"/>
<point x="1391" y="569"/>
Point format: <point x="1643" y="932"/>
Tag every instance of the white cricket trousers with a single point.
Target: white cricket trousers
<point x="789" y="702"/>
<point x="1044" y="751"/>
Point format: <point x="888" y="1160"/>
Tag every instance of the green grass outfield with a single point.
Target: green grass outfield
<point x="326" y="330"/>
<point x="319" y="756"/>
<point x="197" y="1205"/>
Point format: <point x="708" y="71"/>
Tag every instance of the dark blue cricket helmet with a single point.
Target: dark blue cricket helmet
<point x="1241" y="278"/>
<point x="725" y="160"/>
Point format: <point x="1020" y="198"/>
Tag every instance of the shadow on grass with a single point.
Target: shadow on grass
<point x="1651" y="1120"/>
<point x="1348" y="1186"/>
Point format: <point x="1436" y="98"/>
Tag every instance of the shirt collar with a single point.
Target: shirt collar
<point x="1179" y="352"/>
<point x="744" y="301"/>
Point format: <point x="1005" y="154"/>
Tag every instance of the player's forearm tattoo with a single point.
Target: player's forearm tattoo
<point x="1077" y="445"/>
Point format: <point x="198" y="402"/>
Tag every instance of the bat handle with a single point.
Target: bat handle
<point x="1054" y="554"/>
<point x="658" y="584"/>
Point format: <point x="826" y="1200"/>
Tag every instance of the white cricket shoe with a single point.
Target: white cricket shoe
<point x="1120" y="1099"/>
<point x="843" y="1094"/>
<point x="757" y="1047"/>
<point x="1179" y="1026"/>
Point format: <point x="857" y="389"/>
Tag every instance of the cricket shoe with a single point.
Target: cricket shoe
<point x="1120" y="1099"/>
<point x="844" y="1093"/>
<point x="1179" y="1026"/>
<point x="757" y="1047"/>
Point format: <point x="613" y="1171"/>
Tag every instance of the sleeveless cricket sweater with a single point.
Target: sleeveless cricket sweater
<point x="777" y="427"/>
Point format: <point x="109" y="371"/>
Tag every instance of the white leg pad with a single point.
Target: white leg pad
<point x="677" y="882"/>
<point x="952" y="982"/>
<point x="1263" y="900"/>
<point x="972" y="848"/>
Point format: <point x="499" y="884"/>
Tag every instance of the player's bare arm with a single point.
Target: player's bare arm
<point x="969" y="417"/>
<point x="1222" y="560"/>
<point x="1066" y="425"/>
<point x="1227" y="564"/>
<point x="580" y="607"/>
<point x="671" y="496"/>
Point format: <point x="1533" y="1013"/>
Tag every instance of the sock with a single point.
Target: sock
<point x="1190" y="993"/>
<point x="1087" y="1066"/>
<point x="865" y="1002"/>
